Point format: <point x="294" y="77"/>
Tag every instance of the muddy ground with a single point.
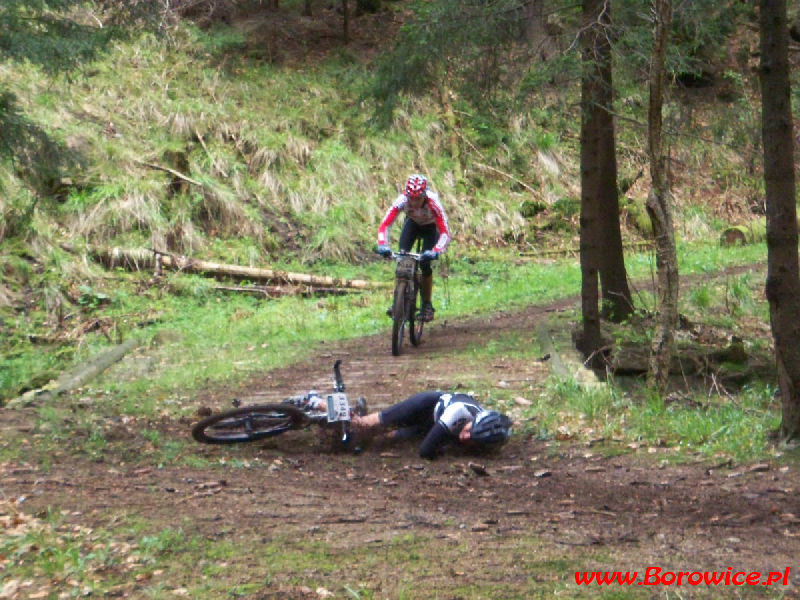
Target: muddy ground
<point x="527" y="518"/>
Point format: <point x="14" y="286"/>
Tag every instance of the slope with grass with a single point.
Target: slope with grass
<point x="236" y="143"/>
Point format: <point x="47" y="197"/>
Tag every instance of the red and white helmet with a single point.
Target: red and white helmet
<point x="416" y="186"/>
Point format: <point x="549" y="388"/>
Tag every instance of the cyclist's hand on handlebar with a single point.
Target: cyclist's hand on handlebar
<point x="429" y="255"/>
<point x="384" y="250"/>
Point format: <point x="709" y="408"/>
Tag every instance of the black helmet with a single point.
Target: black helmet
<point x="491" y="428"/>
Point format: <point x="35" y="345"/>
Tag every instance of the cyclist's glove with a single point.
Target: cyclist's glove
<point x="429" y="255"/>
<point x="384" y="250"/>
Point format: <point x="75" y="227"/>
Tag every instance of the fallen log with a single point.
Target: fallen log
<point x="141" y="258"/>
<point x="696" y="359"/>
<point x="638" y="246"/>
<point x="77" y="376"/>
<point x="274" y="291"/>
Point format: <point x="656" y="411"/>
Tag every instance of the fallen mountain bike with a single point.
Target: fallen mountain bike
<point x="252" y="423"/>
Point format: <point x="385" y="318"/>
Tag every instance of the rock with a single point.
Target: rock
<point x="478" y="469"/>
<point x="759" y="468"/>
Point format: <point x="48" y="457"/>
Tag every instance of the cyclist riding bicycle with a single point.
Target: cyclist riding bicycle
<point x="441" y="417"/>
<point x="425" y="220"/>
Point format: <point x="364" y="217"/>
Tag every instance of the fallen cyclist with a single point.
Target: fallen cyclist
<point x="442" y="418"/>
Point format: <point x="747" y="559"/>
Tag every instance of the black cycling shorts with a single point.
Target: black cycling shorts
<point x="413" y="231"/>
<point x="416" y="410"/>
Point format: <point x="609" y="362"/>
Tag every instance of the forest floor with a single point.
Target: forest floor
<point x="521" y="522"/>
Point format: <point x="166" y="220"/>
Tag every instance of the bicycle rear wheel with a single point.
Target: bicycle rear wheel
<point x="399" y="317"/>
<point x="249" y="424"/>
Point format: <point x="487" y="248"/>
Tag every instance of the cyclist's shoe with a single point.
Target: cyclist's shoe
<point x="426" y="313"/>
<point x="389" y="312"/>
<point x="311" y="401"/>
<point x="361" y="407"/>
<point x="316" y="403"/>
<point x="299" y="401"/>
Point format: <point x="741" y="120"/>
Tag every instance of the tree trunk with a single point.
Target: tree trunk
<point x="617" y="303"/>
<point x="345" y="22"/>
<point x="592" y="180"/>
<point x="659" y="210"/>
<point x="600" y="179"/>
<point x="783" y="267"/>
<point x="541" y="30"/>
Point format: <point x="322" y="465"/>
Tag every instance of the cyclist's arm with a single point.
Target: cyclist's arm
<point x="455" y="418"/>
<point x="437" y="436"/>
<point x="388" y="219"/>
<point x="440" y="218"/>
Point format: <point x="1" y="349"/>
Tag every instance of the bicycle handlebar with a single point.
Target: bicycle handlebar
<point x="337" y="373"/>
<point x="415" y="255"/>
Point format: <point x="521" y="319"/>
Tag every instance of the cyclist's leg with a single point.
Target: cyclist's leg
<point x="429" y="237"/>
<point x="416" y="410"/>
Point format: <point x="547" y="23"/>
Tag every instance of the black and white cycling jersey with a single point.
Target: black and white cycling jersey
<point x="454" y="411"/>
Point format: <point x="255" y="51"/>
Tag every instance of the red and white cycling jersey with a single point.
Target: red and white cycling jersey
<point x="426" y="211"/>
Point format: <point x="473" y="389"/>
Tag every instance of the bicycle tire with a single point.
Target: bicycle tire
<point x="249" y="424"/>
<point x="399" y="317"/>
<point x="415" y="323"/>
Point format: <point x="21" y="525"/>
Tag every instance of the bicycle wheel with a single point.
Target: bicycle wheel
<point x="415" y="321"/>
<point x="249" y="424"/>
<point x="399" y="317"/>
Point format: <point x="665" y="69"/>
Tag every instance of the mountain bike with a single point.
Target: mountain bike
<point x="251" y="423"/>
<point x="407" y="303"/>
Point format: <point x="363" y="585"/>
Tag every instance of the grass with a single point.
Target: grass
<point x="706" y="420"/>
<point x="252" y="335"/>
<point x="272" y="146"/>
<point x="739" y="428"/>
<point x="50" y="557"/>
<point x="158" y="563"/>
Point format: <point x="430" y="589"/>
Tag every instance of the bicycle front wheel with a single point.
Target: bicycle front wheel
<point x="249" y="424"/>
<point x="415" y="321"/>
<point x="399" y="317"/>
